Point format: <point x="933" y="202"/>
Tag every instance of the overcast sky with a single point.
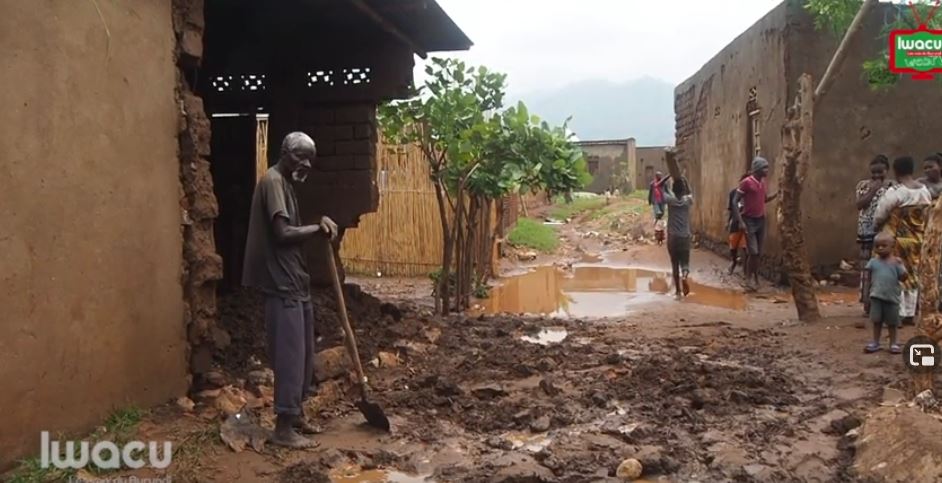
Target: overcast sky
<point x="543" y="44"/>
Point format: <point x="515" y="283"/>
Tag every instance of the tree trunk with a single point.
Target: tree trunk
<point x="441" y="296"/>
<point x="841" y="53"/>
<point x="460" y="233"/>
<point x="930" y="320"/>
<point x="797" y="145"/>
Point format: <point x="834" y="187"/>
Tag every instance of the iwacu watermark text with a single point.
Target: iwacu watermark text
<point x="105" y="455"/>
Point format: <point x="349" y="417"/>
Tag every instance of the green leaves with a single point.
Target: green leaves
<point x="833" y="15"/>
<point x="493" y="151"/>
<point x="837" y="15"/>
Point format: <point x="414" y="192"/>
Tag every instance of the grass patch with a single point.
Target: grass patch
<point x="31" y="471"/>
<point x="123" y="422"/>
<point x="119" y="428"/>
<point x="188" y="455"/>
<point x="639" y="195"/>
<point x="564" y="211"/>
<point x="534" y="234"/>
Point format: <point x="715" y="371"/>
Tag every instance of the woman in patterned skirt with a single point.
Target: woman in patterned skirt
<point x="902" y="212"/>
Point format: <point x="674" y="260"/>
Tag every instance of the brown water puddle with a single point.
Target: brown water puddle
<point x="596" y="292"/>
<point x="356" y="475"/>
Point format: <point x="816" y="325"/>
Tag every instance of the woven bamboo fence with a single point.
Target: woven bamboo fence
<point x="404" y="237"/>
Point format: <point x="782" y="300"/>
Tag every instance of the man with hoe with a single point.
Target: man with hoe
<point x="275" y="265"/>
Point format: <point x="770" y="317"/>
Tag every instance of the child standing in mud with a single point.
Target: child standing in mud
<point x="886" y="274"/>
<point x="678" y="233"/>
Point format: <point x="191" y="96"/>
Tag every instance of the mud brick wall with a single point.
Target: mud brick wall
<point x="90" y="223"/>
<point x="202" y="266"/>
<point x="852" y="124"/>
<point x="343" y="184"/>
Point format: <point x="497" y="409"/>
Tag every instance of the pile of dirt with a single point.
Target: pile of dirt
<point x="689" y="407"/>
<point x="242" y="315"/>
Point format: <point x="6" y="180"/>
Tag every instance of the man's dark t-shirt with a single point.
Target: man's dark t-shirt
<point x="272" y="267"/>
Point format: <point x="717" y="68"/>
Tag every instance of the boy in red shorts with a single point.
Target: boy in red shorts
<point x="737" y="234"/>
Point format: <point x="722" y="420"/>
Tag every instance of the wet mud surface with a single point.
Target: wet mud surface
<point x="567" y="370"/>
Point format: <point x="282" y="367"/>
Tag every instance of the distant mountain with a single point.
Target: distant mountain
<point x="642" y="109"/>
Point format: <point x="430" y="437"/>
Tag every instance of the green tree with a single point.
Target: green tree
<point x="836" y="16"/>
<point x="477" y="152"/>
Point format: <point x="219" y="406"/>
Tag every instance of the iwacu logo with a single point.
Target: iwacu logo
<point x="103" y="454"/>
<point x="917" y="52"/>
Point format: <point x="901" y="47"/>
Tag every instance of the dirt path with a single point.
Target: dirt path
<point x="694" y="390"/>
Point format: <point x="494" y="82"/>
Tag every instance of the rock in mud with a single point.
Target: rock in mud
<point x="527" y="256"/>
<point x="843" y="425"/>
<point x="926" y="401"/>
<point x="490" y="391"/>
<point x="262" y="377"/>
<point x="215" y="379"/>
<point x="497" y="442"/>
<point x="331" y="363"/>
<point x="899" y="444"/>
<point x="629" y="470"/>
<point x="541" y="424"/>
<point x="186" y="404"/>
<point x="388" y="359"/>
<point x="230" y="401"/>
<point x="546" y="364"/>
<point x="548" y="385"/>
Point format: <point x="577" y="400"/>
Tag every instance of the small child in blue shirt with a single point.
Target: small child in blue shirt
<point x="886" y="273"/>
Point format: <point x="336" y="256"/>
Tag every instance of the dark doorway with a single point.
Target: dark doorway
<point x="233" y="166"/>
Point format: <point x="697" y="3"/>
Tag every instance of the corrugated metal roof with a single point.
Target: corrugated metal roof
<point x="425" y="22"/>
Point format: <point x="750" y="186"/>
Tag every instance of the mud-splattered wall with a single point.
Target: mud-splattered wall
<point x="90" y="238"/>
<point x="852" y="124"/>
<point x="712" y="119"/>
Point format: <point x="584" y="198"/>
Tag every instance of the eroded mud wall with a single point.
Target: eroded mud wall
<point x="712" y="132"/>
<point x="202" y="266"/>
<point x="90" y="257"/>
<point x="853" y="123"/>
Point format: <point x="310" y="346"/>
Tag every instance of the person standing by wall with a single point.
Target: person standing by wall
<point x="752" y="192"/>
<point x="275" y="266"/>
<point x="902" y="213"/>
<point x="737" y="233"/>
<point x="932" y="175"/>
<point x="868" y="194"/>
<point x="656" y="195"/>
<point x="678" y="202"/>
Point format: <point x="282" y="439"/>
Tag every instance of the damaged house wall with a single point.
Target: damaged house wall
<point x="202" y="266"/>
<point x="90" y="239"/>
<point x="757" y="73"/>
<point x="651" y="159"/>
<point x="608" y="159"/>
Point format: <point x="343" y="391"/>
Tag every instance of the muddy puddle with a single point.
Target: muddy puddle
<point x="355" y="475"/>
<point x="592" y="291"/>
<point x="547" y="336"/>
